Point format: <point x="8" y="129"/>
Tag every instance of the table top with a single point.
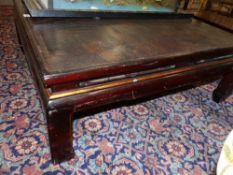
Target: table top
<point x="103" y="47"/>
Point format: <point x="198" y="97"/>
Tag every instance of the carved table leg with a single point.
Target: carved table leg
<point x="60" y="134"/>
<point x="224" y="88"/>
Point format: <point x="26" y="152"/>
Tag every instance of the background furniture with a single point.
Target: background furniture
<point x="218" y="12"/>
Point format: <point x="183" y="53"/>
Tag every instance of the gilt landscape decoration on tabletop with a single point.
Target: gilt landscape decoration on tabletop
<point x="132" y="4"/>
<point x="126" y="2"/>
<point x="81" y="8"/>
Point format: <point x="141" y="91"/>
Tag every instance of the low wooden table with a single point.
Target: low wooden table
<point x="80" y="64"/>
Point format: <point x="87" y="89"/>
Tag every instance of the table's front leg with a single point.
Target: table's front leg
<point x="224" y="88"/>
<point x="60" y="134"/>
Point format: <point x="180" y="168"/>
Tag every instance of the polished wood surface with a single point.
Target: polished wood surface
<point x="81" y="64"/>
<point x="138" y="79"/>
<point x="79" y="46"/>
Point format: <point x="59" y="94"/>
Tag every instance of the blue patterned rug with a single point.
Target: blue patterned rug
<point x="177" y="134"/>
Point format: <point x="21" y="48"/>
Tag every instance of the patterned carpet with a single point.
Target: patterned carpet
<point x="177" y="134"/>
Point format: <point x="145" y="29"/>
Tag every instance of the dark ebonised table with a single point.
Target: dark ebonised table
<point x="80" y="64"/>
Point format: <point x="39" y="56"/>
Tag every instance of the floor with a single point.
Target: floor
<point x="177" y="134"/>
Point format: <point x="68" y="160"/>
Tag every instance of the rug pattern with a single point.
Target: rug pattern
<point x="177" y="134"/>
